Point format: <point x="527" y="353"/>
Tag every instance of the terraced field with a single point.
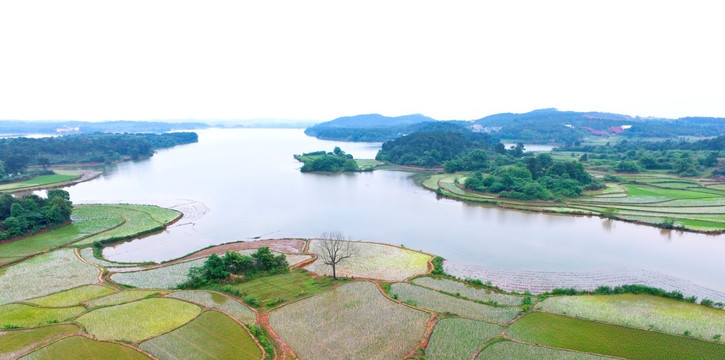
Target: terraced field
<point x="71" y="297"/>
<point x="469" y="291"/>
<point x="60" y="177"/>
<point x="14" y="343"/>
<point x="353" y="321"/>
<point x="315" y="317"/>
<point x="139" y="219"/>
<point x="643" y="311"/>
<point x="276" y="289"/>
<point x="43" y="275"/>
<point x="434" y="300"/>
<point x="212" y="335"/>
<point x="506" y="350"/>
<point x="138" y="320"/>
<point x="459" y="338"/>
<point x="593" y="337"/>
<point x="122" y="297"/>
<point x="375" y="261"/>
<point x="213" y="300"/>
<point x="21" y="315"/>
<point x="653" y="199"/>
<point x="87" y="220"/>
<point x="85" y="348"/>
<point x="164" y="277"/>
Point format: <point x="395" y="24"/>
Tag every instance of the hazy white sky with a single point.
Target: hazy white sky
<point x="104" y="60"/>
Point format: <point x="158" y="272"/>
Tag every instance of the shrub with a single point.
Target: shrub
<point x="438" y="266"/>
<point x="474" y="281"/>
<point x="262" y="338"/>
<point x="667" y="223"/>
<point x="251" y="300"/>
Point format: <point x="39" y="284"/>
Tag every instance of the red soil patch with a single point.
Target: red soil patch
<point x="287" y="352"/>
<point x="287" y="246"/>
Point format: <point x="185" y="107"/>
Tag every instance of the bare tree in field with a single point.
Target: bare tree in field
<point x="334" y="249"/>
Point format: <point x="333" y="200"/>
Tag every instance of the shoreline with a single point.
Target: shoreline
<point x="86" y="175"/>
<point x="502" y="204"/>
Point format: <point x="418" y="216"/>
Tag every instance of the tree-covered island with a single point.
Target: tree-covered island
<point x="335" y="161"/>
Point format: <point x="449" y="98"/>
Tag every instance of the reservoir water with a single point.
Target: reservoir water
<point x="251" y="187"/>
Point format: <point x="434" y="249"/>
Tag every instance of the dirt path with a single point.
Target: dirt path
<point x="287" y="352"/>
<point x="100" y="269"/>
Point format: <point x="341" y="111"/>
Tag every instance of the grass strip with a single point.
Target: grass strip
<point x="212" y="335"/>
<point x="593" y="337"/>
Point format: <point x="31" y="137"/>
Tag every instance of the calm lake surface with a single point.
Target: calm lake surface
<point x="252" y="187"/>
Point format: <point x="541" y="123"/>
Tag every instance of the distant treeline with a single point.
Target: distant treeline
<point x="681" y="157"/>
<point x="534" y="178"/>
<point x="380" y="134"/>
<point x="32" y="213"/>
<point x="510" y="173"/>
<point x="85" y="127"/>
<point x="568" y="127"/>
<point x="18" y="153"/>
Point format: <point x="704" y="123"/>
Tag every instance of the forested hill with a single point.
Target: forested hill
<point x="538" y="126"/>
<point x="18" y="153"/>
<point x="369" y="127"/>
<point x="433" y="148"/>
<point x="554" y="126"/>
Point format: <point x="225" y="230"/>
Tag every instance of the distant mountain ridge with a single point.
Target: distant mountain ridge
<point x="18" y="127"/>
<point x="538" y="126"/>
<point x="366" y="127"/>
<point x="373" y="120"/>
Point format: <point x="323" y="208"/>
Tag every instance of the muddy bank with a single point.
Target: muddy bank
<point x="543" y="281"/>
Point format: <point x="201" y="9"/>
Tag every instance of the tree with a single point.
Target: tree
<point x="16" y="164"/>
<point x="214" y="268"/>
<point x="334" y="249"/>
<point x="44" y="162"/>
<point x="237" y="263"/>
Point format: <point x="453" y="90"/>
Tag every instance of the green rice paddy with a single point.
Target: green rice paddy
<point x="506" y="350"/>
<point x="212" y="335"/>
<point x="71" y="297"/>
<point x="138" y="320"/>
<point x="642" y="311"/>
<point x="15" y="343"/>
<point x="593" y="337"/>
<point x="122" y="297"/>
<point x="138" y="219"/>
<point x="284" y="287"/>
<point x="84" y="348"/>
<point x="86" y="220"/>
<point x="60" y="177"/>
<point x="30" y="316"/>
